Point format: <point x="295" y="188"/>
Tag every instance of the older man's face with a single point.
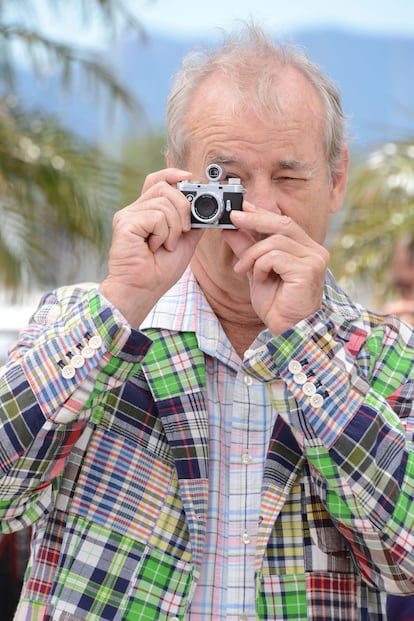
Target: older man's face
<point x="403" y="273"/>
<point x="280" y="159"/>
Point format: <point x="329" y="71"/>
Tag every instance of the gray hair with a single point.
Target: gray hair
<point x="248" y="60"/>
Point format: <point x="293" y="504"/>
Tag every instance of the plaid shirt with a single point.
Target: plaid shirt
<point x="104" y="445"/>
<point x="240" y="422"/>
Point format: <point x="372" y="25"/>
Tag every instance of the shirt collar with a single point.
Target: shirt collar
<point x="184" y="308"/>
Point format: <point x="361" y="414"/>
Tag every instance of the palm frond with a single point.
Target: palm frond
<point x="55" y="190"/>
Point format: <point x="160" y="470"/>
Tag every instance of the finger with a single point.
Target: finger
<point x="168" y="175"/>
<point x="239" y="241"/>
<point x="298" y="271"/>
<point x="155" y="221"/>
<point x="276" y="263"/>
<point x="262" y="222"/>
<point x="270" y="246"/>
<point x="175" y="200"/>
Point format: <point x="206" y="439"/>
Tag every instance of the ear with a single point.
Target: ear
<point x="339" y="182"/>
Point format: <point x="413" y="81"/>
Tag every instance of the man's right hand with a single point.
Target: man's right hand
<point x="152" y="244"/>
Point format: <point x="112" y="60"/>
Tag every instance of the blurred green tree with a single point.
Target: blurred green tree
<point x="378" y="209"/>
<point x="141" y="157"/>
<point x="57" y="191"/>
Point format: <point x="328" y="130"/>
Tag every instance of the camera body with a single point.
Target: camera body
<point x="212" y="203"/>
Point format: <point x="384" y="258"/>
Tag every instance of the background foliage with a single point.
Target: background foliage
<point x="378" y="210"/>
<point x="57" y="191"/>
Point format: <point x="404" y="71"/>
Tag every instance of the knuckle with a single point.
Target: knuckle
<point x="286" y="221"/>
<point x="151" y="178"/>
<point x="116" y="219"/>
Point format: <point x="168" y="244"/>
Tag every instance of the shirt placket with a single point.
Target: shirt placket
<point x="248" y="440"/>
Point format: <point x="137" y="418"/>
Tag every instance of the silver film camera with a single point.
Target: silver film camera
<point x="212" y="203"/>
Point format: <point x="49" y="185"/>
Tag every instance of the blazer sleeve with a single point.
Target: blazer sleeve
<point x="354" y="386"/>
<point x="76" y="348"/>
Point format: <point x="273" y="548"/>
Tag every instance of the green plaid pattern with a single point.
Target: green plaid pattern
<point x="112" y="466"/>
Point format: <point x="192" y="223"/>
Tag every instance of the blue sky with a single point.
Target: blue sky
<point x="202" y="18"/>
<point x="195" y="16"/>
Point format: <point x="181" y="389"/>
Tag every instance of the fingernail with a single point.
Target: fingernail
<point x="237" y="213"/>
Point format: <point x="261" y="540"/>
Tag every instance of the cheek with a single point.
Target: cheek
<point x="312" y="216"/>
<point x="315" y="222"/>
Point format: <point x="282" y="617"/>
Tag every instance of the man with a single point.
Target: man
<point x="217" y="431"/>
<point x="402" y="281"/>
<point x="402" y="277"/>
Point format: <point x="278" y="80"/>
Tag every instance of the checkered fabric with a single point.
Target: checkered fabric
<point x="111" y="465"/>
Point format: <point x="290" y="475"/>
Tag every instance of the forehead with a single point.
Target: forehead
<point x="285" y="92"/>
<point x="287" y="122"/>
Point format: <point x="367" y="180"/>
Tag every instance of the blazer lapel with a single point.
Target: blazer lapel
<point x="175" y="372"/>
<point x="284" y="465"/>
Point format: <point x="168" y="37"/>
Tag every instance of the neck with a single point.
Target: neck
<point x="232" y="308"/>
<point x="240" y="335"/>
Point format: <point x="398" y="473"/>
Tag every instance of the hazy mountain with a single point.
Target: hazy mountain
<point x="374" y="73"/>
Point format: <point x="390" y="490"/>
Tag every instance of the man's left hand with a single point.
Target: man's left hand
<point x="285" y="267"/>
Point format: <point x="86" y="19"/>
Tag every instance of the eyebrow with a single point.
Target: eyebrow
<point x="280" y="164"/>
<point x="291" y="165"/>
<point x="296" y="166"/>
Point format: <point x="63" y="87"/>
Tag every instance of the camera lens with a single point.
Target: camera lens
<point x="206" y="208"/>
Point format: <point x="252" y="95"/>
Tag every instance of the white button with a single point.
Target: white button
<point x="174" y="619"/>
<point x="68" y="371"/>
<point x="246" y="459"/>
<point x="248" y="380"/>
<point x="300" y="378"/>
<point x="88" y="352"/>
<point x="246" y="538"/>
<point x="95" y="342"/>
<point x="77" y="361"/>
<point x="248" y="353"/>
<point x="316" y="400"/>
<point x="294" y="366"/>
<point x="309" y="388"/>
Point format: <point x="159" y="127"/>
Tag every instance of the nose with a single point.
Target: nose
<point x="264" y="195"/>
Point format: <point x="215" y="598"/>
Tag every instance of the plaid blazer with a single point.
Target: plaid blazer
<point x="108" y="457"/>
